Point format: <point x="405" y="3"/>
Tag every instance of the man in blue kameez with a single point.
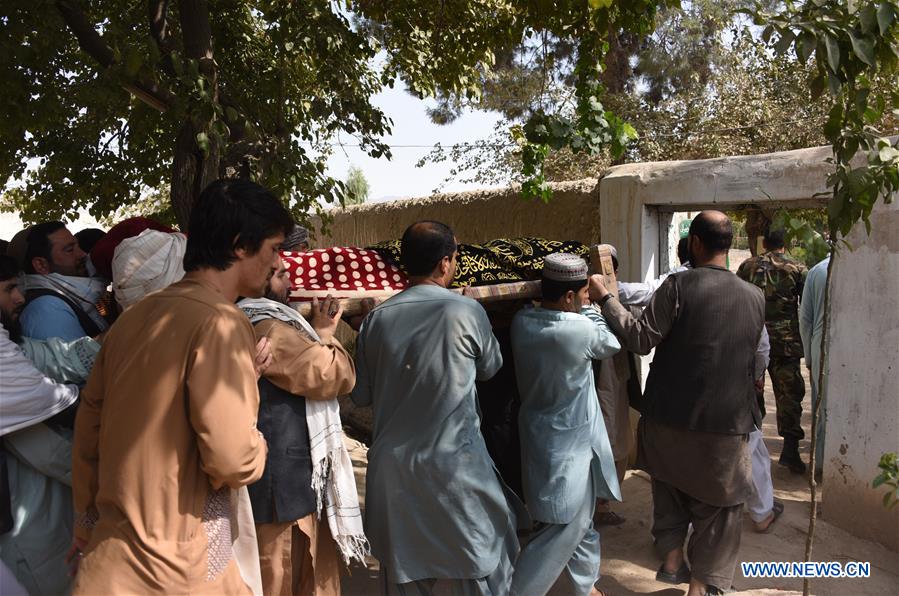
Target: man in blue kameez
<point x="436" y="509"/>
<point x="811" y="327"/>
<point x="567" y="461"/>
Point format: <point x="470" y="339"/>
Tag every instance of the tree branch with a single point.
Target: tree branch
<point x="92" y="44"/>
<point x="88" y="39"/>
<point x="157" y="12"/>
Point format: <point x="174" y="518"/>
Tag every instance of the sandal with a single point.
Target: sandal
<point x="776" y="510"/>
<point x="681" y="576"/>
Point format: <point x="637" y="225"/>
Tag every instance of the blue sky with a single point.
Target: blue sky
<point x="399" y="177"/>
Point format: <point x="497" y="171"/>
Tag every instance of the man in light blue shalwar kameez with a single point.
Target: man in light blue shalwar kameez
<point x="811" y="328"/>
<point x="567" y="461"/>
<point x="436" y="510"/>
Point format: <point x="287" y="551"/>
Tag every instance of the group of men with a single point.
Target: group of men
<point x="207" y="453"/>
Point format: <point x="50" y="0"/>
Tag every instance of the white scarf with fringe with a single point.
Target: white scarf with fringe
<point x="332" y="471"/>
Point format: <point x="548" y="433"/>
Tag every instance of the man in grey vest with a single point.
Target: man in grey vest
<point x="699" y="405"/>
<point x="297" y="549"/>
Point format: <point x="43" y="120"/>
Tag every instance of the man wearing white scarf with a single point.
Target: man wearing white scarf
<point x="308" y="473"/>
<point x="61" y="296"/>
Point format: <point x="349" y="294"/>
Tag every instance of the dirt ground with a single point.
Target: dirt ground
<point x="629" y="562"/>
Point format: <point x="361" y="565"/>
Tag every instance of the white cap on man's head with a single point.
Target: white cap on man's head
<point x="146" y="263"/>
<point x="564" y="266"/>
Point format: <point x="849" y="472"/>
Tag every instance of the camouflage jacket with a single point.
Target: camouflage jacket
<point x="781" y="279"/>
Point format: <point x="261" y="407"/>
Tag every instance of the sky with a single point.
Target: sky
<point x="399" y="177"/>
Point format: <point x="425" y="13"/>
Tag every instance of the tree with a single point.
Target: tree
<point x="110" y="99"/>
<point x="356" y="187"/>
<point x="749" y="102"/>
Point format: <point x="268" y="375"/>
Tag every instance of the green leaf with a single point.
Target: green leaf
<point x="879" y="481"/>
<point x="597" y="4"/>
<point x="863" y="48"/>
<point x="818" y="85"/>
<point x="203" y="142"/>
<point x="888" y="154"/>
<point x="834" y="82"/>
<point x="133" y="61"/>
<point x="784" y="43"/>
<point x="885" y="16"/>
<point x="629" y="131"/>
<point x="868" y="18"/>
<point x="805" y="45"/>
<point x="833" y="52"/>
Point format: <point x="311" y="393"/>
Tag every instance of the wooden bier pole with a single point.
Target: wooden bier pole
<point x="484" y="294"/>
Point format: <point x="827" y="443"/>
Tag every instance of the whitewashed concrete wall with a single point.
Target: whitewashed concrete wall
<point x="863" y="391"/>
<point x="637" y="200"/>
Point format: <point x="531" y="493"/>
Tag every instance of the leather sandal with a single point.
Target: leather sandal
<point x="776" y="510"/>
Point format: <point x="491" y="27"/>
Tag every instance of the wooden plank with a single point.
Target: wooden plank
<point x="601" y="263"/>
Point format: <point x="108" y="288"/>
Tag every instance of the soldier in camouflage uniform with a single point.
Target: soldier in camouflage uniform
<point x="781" y="279"/>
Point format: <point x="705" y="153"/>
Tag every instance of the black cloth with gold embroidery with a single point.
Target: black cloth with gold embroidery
<point x="497" y="261"/>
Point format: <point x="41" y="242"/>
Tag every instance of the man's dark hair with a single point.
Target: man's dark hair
<point x="37" y="243"/>
<point x="424" y="244"/>
<point x="774" y="239"/>
<point x="4" y="244"/>
<point x="232" y="214"/>
<point x="683" y="255"/>
<point x="716" y="233"/>
<point x="9" y="268"/>
<point x="554" y="290"/>
<point x="88" y="237"/>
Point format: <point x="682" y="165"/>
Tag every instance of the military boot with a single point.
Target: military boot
<point x="789" y="457"/>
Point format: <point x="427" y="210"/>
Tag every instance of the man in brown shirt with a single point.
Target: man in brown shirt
<point x="699" y="405"/>
<point x="167" y="422"/>
<point x="297" y="552"/>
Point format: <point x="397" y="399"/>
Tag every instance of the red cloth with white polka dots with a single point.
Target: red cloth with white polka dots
<point x="343" y="272"/>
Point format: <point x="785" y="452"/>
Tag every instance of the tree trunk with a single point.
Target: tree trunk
<point x="192" y="171"/>
<point x="757" y="222"/>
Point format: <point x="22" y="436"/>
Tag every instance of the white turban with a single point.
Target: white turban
<point x="146" y="263"/>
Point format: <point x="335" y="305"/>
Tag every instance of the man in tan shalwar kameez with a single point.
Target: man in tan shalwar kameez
<point x="167" y="422"/>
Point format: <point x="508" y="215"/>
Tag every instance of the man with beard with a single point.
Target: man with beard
<point x="297" y="402"/>
<point x="35" y="450"/>
<point x="699" y="406"/>
<point x="61" y="296"/>
<point x="167" y="421"/>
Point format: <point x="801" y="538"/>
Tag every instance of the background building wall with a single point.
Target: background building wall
<point x="475" y="216"/>
<point x="863" y="368"/>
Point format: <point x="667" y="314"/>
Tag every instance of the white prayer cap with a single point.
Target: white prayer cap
<point x="564" y="266"/>
<point x="146" y="263"/>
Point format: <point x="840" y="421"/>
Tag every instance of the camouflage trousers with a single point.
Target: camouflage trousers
<point x="789" y="390"/>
